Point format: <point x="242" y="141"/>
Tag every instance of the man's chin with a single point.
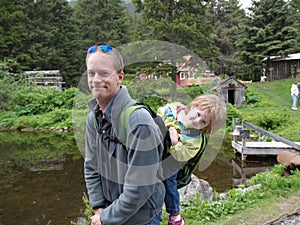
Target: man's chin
<point x="99" y="90"/>
<point x="98" y="93"/>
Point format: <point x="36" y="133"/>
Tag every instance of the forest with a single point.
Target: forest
<point x="55" y="34"/>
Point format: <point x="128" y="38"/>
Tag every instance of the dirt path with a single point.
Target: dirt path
<point x="265" y="211"/>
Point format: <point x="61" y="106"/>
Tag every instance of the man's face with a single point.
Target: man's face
<point x="103" y="79"/>
<point x="197" y="118"/>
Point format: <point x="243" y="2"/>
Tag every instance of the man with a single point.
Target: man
<point x="123" y="180"/>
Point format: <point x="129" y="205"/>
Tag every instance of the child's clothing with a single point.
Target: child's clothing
<point x="176" y="220"/>
<point x="188" y="146"/>
<point x="183" y="151"/>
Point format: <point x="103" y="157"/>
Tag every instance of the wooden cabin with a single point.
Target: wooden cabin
<point x="232" y="91"/>
<point x="279" y="67"/>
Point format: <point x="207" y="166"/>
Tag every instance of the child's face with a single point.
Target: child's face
<point x="197" y="118"/>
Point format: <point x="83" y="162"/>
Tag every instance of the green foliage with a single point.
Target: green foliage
<point x="271" y="120"/>
<point x="268" y="32"/>
<point x="273" y="111"/>
<point x="13" y="33"/>
<point x="252" y="97"/>
<point x="194" y="91"/>
<point x="88" y="212"/>
<point x="232" y="112"/>
<point x="143" y="89"/>
<point x="273" y="184"/>
<point x="36" y="100"/>
<point x="176" y="22"/>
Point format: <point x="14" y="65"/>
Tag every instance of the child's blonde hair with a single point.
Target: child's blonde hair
<point x="213" y="105"/>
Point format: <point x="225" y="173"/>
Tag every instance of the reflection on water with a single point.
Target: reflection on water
<point x="47" y="195"/>
<point x="228" y="170"/>
<point x="244" y="170"/>
<point x="42" y="177"/>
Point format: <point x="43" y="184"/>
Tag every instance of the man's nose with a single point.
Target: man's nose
<point x="98" y="78"/>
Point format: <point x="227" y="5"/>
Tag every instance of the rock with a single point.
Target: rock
<point x="196" y="186"/>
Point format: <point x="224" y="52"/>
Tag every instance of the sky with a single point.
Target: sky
<point x="245" y="3"/>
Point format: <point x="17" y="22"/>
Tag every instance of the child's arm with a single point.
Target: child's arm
<point x="173" y="136"/>
<point x="184" y="150"/>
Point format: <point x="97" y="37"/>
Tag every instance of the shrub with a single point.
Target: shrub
<point x="232" y="112"/>
<point x="270" y="120"/>
<point x="252" y="97"/>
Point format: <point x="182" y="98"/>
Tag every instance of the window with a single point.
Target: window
<point x="190" y="74"/>
<point x="182" y="75"/>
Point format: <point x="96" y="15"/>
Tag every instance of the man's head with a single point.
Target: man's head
<point x="105" y="72"/>
<point x="212" y="107"/>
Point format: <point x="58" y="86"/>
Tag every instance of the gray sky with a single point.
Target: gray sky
<point x="245" y="3"/>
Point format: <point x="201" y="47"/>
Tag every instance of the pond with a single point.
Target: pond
<point x="42" y="176"/>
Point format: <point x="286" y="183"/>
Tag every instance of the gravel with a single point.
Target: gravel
<point x="293" y="220"/>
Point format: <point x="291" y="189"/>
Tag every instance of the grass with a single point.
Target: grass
<point x="264" y="211"/>
<point x="275" y="101"/>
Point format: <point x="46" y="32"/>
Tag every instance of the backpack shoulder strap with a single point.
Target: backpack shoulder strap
<point x="124" y="118"/>
<point x="185" y="173"/>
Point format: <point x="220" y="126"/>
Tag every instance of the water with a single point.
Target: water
<point x="49" y="194"/>
<point x="42" y="177"/>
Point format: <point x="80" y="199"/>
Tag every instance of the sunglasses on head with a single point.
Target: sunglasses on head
<point x="103" y="48"/>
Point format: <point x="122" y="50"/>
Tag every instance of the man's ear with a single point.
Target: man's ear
<point x="120" y="77"/>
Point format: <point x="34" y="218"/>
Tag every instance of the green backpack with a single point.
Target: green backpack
<point x="185" y="171"/>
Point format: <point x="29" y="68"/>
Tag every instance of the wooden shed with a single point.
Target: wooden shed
<point x="232" y="91"/>
<point x="279" y="67"/>
<point x="44" y="78"/>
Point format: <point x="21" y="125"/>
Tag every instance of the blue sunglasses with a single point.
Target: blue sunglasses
<point x="103" y="48"/>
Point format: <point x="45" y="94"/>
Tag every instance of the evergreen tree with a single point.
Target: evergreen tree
<point x="53" y="38"/>
<point x="181" y="22"/>
<point x="12" y="31"/>
<point x="227" y="19"/>
<point x="102" y="22"/>
<point x="268" y="33"/>
<point x="294" y="20"/>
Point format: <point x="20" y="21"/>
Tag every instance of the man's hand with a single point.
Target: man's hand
<point x="95" y="219"/>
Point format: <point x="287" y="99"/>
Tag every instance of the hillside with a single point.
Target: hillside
<point x="271" y="108"/>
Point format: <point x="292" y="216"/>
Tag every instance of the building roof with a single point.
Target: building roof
<point x="226" y="82"/>
<point x="283" y="58"/>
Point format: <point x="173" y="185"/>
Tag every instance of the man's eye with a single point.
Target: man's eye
<point x="91" y="74"/>
<point x="105" y="74"/>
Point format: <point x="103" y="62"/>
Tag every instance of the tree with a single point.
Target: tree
<point x="102" y="22"/>
<point x="268" y="33"/>
<point x="294" y="19"/>
<point x="53" y="38"/>
<point x="181" y="22"/>
<point x="227" y="19"/>
<point x="12" y="31"/>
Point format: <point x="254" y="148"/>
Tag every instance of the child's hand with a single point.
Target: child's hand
<point x="173" y="136"/>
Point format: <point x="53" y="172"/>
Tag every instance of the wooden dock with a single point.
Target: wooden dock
<point x="245" y="147"/>
<point x="261" y="148"/>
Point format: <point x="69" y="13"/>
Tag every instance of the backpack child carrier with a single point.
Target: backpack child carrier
<point x="185" y="172"/>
